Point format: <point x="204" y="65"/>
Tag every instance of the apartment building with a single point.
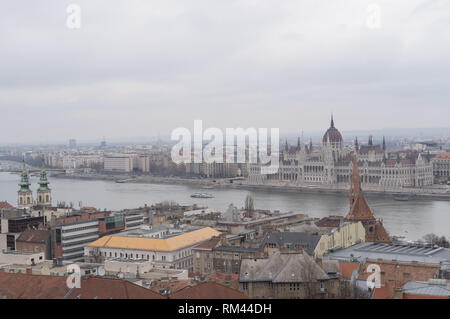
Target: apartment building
<point x="34" y="241"/>
<point x="69" y="239"/>
<point x="71" y="233"/>
<point x="118" y="163"/>
<point x="133" y="221"/>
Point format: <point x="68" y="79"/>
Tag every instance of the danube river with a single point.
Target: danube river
<point x="411" y="219"/>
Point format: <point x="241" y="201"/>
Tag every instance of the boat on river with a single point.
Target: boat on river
<point x="404" y="197"/>
<point x="202" y="195"/>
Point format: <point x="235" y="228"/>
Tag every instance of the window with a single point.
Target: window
<point x="245" y="286"/>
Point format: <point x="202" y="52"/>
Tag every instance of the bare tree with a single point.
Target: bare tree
<point x="249" y="206"/>
<point x="349" y="290"/>
<point x="434" y="239"/>
<point x="309" y="272"/>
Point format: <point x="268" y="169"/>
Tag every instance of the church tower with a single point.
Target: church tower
<point x="24" y="195"/>
<point x="44" y="196"/>
<point x="360" y="209"/>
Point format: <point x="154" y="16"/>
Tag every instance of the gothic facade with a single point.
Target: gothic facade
<point x="331" y="164"/>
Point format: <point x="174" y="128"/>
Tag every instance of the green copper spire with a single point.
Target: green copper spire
<point x="24" y="181"/>
<point x="43" y="181"/>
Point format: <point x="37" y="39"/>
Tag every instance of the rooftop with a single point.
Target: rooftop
<point x="208" y="290"/>
<point x="210" y="244"/>
<point x="398" y="252"/>
<point x="445" y="155"/>
<point x="5" y="205"/>
<point x="25" y="286"/>
<point x="237" y="249"/>
<point x="294" y="240"/>
<point x="281" y="267"/>
<point x="157" y="244"/>
<point x="34" y="236"/>
<point x="440" y="288"/>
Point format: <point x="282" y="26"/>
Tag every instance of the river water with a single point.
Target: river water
<point x="412" y="219"/>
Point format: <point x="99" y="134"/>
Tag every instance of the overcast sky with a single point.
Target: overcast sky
<point x="139" y="68"/>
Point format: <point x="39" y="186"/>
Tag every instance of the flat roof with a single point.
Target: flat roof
<point x="398" y="252"/>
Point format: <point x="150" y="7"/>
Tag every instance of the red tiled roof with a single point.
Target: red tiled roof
<point x="34" y="236"/>
<point x="208" y="245"/>
<point x="346" y="268"/>
<point x="445" y="155"/>
<point x="381" y="293"/>
<point x="5" y="205"/>
<point x="25" y="286"/>
<point x="173" y="285"/>
<point x="224" y="276"/>
<point x="330" y="221"/>
<point x="208" y="290"/>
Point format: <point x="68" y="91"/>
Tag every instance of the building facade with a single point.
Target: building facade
<point x="174" y="252"/>
<point x="293" y="275"/>
<point x="441" y="166"/>
<point x="119" y="163"/>
<point x="331" y="164"/>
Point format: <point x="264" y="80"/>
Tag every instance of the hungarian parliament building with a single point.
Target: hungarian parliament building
<point x="331" y="164"/>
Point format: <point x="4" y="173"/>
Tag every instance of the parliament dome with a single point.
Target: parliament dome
<point x="332" y="134"/>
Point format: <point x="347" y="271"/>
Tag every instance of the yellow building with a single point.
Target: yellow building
<point x="346" y="235"/>
<point x="171" y="252"/>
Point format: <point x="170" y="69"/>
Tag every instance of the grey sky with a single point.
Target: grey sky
<point x="139" y="68"/>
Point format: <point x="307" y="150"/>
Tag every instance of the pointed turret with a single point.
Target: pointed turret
<point x="384" y="143"/>
<point x="332" y="121"/>
<point x="360" y="209"/>
<point x="356" y="144"/>
<point x="24" y="195"/>
<point x="44" y="195"/>
<point x="370" y="140"/>
<point x="43" y="181"/>
<point x="355" y="187"/>
<point x="24" y="181"/>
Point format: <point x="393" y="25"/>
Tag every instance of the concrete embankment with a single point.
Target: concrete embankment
<point x="243" y="185"/>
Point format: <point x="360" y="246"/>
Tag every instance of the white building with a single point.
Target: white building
<point x="168" y="252"/>
<point x="119" y="163"/>
<point x="72" y="237"/>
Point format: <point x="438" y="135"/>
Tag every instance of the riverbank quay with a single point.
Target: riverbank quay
<point x="428" y="193"/>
